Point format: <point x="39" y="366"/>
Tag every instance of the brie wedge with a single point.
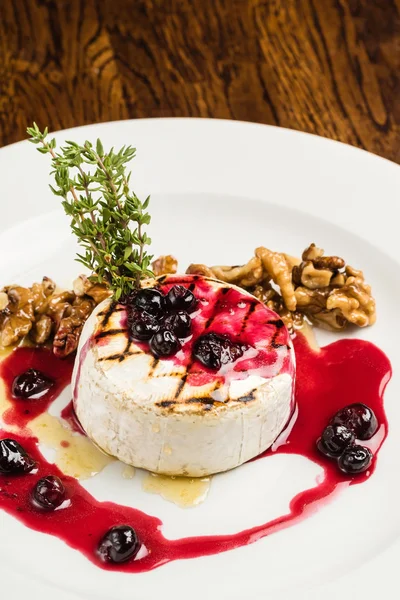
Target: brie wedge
<point x="172" y="415"/>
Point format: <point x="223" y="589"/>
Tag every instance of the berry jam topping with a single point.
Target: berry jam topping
<point x="164" y="343"/>
<point x="31" y="384"/>
<point x="359" y="418"/>
<point x="355" y="459"/>
<point x="180" y="298"/>
<point x="334" y="440"/>
<point x="214" y="350"/>
<point x="119" y="545"/>
<point x="180" y="323"/>
<point x="150" y="300"/>
<point x="14" y="460"/>
<point x="49" y="493"/>
<point x="142" y="325"/>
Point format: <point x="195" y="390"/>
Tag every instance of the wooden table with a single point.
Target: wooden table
<point x="330" y="67"/>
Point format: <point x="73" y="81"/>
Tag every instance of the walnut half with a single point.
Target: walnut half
<point x="280" y="271"/>
<point x="164" y="265"/>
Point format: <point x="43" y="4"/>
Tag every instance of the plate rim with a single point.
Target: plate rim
<point x="63" y="133"/>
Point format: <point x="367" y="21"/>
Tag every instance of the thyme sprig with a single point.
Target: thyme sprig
<point x="107" y="218"/>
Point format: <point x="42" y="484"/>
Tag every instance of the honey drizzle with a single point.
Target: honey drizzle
<point x="182" y="491"/>
<point x="75" y="454"/>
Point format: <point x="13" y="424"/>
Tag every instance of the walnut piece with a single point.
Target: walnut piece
<point x="333" y="263"/>
<point x="314" y="278"/>
<point x="354" y="301"/>
<point x="164" y="265"/>
<point x="264" y="292"/>
<point x="312" y="303"/>
<point x="70" y="325"/>
<point x="14" y="328"/>
<point x="278" y="269"/>
<point x="198" y="269"/>
<point x="311" y="253"/>
<point x="3" y="300"/>
<point x="41" y="330"/>
<point x="245" y="275"/>
<point x="98" y="291"/>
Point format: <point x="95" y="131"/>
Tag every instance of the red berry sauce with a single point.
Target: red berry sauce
<point x="341" y="373"/>
<point x="19" y="361"/>
<point x="69" y="415"/>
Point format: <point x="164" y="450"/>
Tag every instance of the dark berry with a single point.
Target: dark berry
<point x="334" y="440"/>
<point x="142" y="325"/>
<point x="180" y="323"/>
<point x="359" y="418"/>
<point x="14" y="460"/>
<point x="150" y="300"/>
<point x="48" y="493"/>
<point x="164" y="343"/>
<point x="180" y="298"/>
<point x="355" y="459"/>
<point x="118" y="545"/>
<point x="214" y="350"/>
<point x="31" y="384"/>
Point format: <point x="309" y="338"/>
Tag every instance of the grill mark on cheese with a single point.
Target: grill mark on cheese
<point x="251" y="309"/>
<point x="215" y="309"/>
<point x="153" y="366"/>
<point x="109" y="332"/>
<point x="203" y="400"/>
<point x="182" y="382"/>
<point x="278" y="323"/>
<point x="206" y="403"/>
<point x="125" y="351"/>
<point x="108" y="314"/>
<point x="161" y="375"/>
<point x="117" y="309"/>
<point x="247" y="398"/>
<point x="120" y="356"/>
<point x="165" y="403"/>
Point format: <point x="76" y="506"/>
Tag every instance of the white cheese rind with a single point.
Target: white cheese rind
<point x="118" y="405"/>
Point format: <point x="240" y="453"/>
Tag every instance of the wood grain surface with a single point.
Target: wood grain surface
<point x="330" y="67"/>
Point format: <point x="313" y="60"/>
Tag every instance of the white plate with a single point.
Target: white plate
<point x="219" y="189"/>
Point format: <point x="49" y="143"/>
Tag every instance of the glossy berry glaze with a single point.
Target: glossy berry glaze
<point x="341" y="373"/>
<point x="244" y="321"/>
<point x="69" y="416"/>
